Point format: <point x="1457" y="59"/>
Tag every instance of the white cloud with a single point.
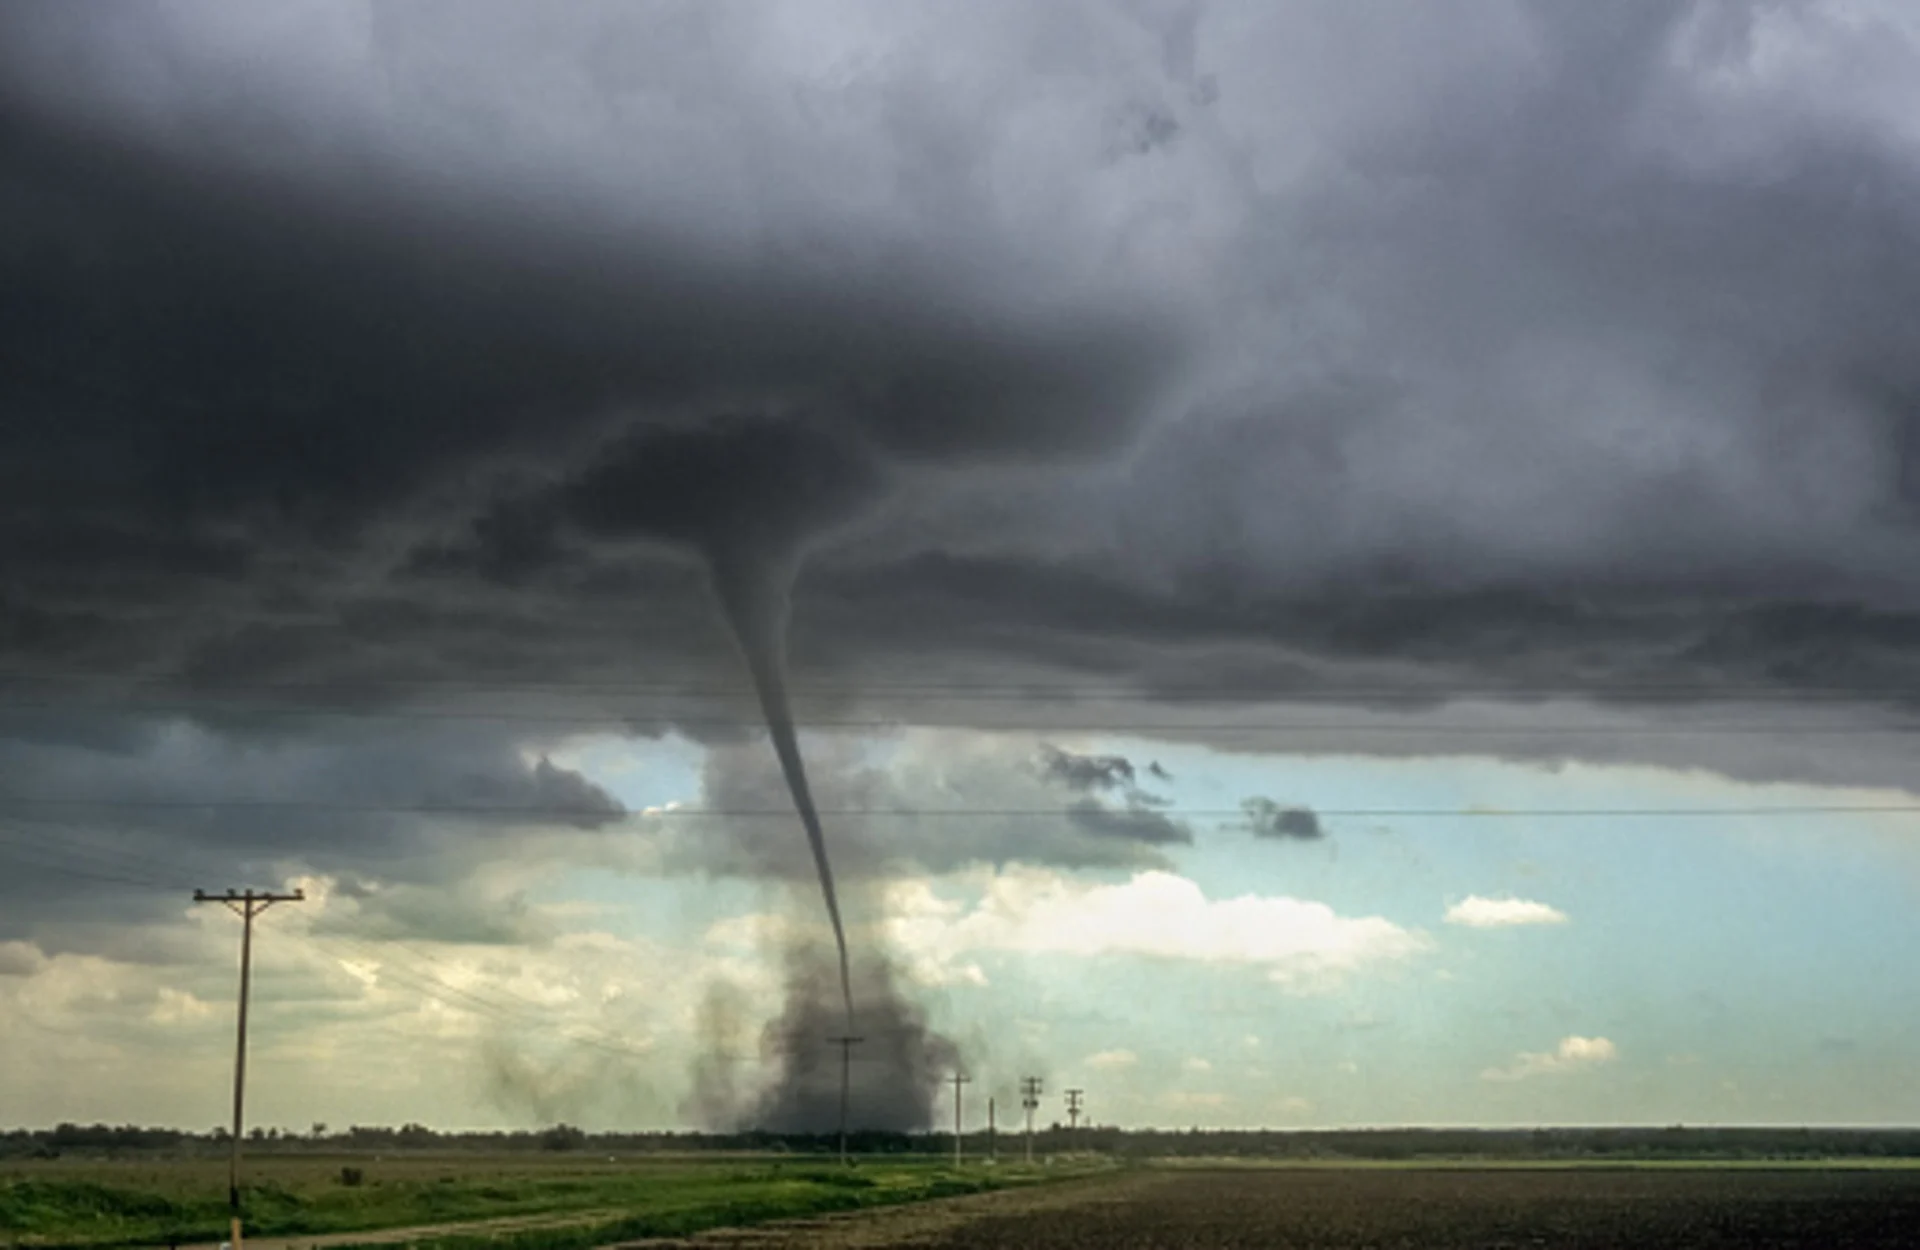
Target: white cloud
<point x="173" y="1006"/>
<point x="1197" y="1064"/>
<point x="1182" y="1100"/>
<point x="1109" y="1060"/>
<point x="1477" y="912"/>
<point x="1573" y="1054"/>
<point x="1299" y="943"/>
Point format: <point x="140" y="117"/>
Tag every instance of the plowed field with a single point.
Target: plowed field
<point x="1389" y="1209"/>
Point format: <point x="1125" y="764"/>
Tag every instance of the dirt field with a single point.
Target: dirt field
<point x="1387" y="1209"/>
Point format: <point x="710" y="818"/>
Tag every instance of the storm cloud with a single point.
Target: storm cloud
<point x="1224" y="372"/>
<point x="1268" y="819"/>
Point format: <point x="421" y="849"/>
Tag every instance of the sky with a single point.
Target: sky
<point x="1332" y="565"/>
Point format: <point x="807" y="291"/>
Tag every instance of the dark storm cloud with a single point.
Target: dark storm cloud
<point x="1132" y="823"/>
<point x="1104" y="777"/>
<point x="131" y="828"/>
<point x="1267" y="819"/>
<point x="1087" y="772"/>
<point x="380" y="357"/>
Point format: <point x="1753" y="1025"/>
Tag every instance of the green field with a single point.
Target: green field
<point x="583" y="1201"/>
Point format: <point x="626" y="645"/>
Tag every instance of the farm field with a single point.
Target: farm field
<point x="531" y="1202"/>
<point x="1329" y="1208"/>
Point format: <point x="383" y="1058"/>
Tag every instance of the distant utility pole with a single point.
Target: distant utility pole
<point x="958" y="1079"/>
<point x="246" y="905"/>
<point x="993" y="1142"/>
<point x="1030" y="1099"/>
<point x="846" y="1045"/>
<point x="1073" y="1107"/>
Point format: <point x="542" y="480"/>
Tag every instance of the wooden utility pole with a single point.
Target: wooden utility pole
<point x="958" y="1079"/>
<point x="993" y="1142"/>
<point x="245" y="904"/>
<point x="846" y="1045"/>
<point x="1030" y="1099"/>
<point x="1073" y="1107"/>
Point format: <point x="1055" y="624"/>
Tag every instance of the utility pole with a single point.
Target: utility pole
<point x="958" y="1079"/>
<point x="1073" y="1107"/>
<point x="846" y="1045"/>
<point x="246" y="905"/>
<point x="1030" y="1099"/>
<point x="993" y="1141"/>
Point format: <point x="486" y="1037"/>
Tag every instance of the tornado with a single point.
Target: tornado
<point x="755" y="600"/>
<point x="748" y="492"/>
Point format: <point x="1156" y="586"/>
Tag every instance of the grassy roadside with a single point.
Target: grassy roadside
<point x="751" y="1201"/>
<point x="88" y="1207"/>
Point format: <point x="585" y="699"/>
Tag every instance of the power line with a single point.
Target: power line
<point x="1234" y="690"/>
<point x="472" y="1001"/>
<point x="400" y="961"/>
<point x="247" y="905"/>
<point x="107" y="863"/>
<point x="918" y="813"/>
<point x="748" y="721"/>
<point x="957" y="1080"/>
<point x="846" y="1043"/>
<point x="1030" y="1100"/>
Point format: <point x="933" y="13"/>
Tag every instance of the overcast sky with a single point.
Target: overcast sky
<point x="1345" y="564"/>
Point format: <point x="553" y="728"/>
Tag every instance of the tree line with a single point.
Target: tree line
<point x="1544" y="1144"/>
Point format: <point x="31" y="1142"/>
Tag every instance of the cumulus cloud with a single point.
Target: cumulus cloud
<point x="1112" y="1060"/>
<point x="1477" y="912"/>
<point x="1086" y="772"/>
<point x="1297" y="943"/>
<point x="1573" y="1054"/>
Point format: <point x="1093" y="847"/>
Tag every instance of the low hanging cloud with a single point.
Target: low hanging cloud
<point x="1573" y="1054"/>
<point x="940" y="801"/>
<point x="1299" y="943"/>
<point x="1086" y="772"/>
<point x="1478" y="912"/>
<point x="1267" y="819"/>
<point x="1134" y="822"/>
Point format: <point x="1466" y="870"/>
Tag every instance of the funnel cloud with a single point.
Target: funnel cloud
<point x="746" y="492"/>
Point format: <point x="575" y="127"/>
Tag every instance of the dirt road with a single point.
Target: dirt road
<point x="392" y="1236"/>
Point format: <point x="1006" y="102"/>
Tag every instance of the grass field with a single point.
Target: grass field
<point x="110" y="1203"/>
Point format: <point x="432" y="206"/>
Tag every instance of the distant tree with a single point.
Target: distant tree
<point x="319" y="1128"/>
<point x="562" y="1137"/>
